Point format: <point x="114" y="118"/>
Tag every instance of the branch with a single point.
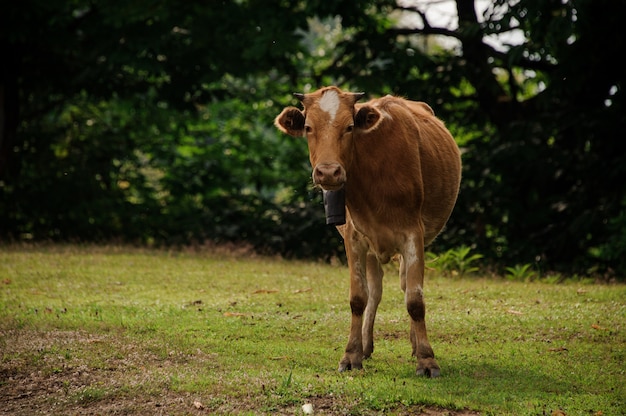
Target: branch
<point x="427" y="30"/>
<point x="421" y="14"/>
<point x="523" y="63"/>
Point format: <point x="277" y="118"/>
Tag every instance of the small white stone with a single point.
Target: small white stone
<point x="307" y="409"/>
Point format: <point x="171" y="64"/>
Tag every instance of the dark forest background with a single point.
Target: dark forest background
<point x="150" y="122"/>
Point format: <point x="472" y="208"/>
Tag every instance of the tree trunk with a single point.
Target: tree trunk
<point x="9" y="112"/>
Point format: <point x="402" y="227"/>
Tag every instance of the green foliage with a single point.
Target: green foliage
<point x="456" y="262"/>
<point x="225" y="175"/>
<point x="613" y="251"/>
<point x="151" y="122"/>
<point x="521" y="273"/>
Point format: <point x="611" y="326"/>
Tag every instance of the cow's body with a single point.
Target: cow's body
<point x="401" y="171"/>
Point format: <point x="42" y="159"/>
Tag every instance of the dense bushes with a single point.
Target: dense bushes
<point x="126" y="171"/>
<point x="153" y="123"/>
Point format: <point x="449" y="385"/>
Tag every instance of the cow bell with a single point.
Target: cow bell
<point x="335" y="206"/>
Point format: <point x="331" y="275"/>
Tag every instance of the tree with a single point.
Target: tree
<point x="544" y="178"/>
<point x="56" y="50"/>
<point x="147" y="120"/>
<point x="96" y="97"/>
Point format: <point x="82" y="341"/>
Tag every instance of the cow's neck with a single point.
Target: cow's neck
<point x="378" y="202"/>
<point x="381" y="180"/>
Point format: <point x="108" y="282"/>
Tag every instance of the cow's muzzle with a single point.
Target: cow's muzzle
<point x="329" y="176"/>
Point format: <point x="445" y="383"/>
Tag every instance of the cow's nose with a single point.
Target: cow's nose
<point x="329" y="175"/>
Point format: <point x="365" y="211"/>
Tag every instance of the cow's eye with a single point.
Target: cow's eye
<point x="349" y="128"/>
<point x="308" y="129"/>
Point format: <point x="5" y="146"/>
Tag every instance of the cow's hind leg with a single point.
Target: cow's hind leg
<point x="374" y="274"/>
<point x="403" y="287"/>
<point x="413" y="281"/>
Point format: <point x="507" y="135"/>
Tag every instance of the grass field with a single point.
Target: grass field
<point x="116" y="330"/>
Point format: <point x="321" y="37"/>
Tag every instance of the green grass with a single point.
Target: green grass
<point x="116" y="330"/>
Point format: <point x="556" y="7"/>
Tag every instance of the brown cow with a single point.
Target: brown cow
<point x="401" y="171"/>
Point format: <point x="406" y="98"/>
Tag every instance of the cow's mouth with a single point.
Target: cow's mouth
<point x="329" y="176"/>
<point x="330" y="187"/>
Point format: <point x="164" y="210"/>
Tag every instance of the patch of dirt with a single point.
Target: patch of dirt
<point x="43" y="373"/>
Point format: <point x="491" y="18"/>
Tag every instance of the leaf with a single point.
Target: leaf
<point x="235" y="314"/>
<point x="308" y="289"/>
<point x="557" y="349"/>
<point x="264" y="291"/>
<point x="282" y="357"/>
<point x="514" y="312"/>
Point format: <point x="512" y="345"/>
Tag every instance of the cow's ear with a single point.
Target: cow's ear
<point x="425" y="107"/>
<point x="367" y="118"/>
<point x="290" y="121"/>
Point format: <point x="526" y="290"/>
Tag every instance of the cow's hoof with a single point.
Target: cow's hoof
<point x="428" y="372"/>
<point x="428" y="368"/>
<point x="347" y="366"/>
<point x="367" y="351"/>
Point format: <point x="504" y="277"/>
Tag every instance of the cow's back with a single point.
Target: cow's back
<point x="441" y="168"/>
<point x="411" y="131"/>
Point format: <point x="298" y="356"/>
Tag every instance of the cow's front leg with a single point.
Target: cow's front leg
<point x="374" y="274"/>
<point x="413" y="267"/>
<point x="356" y="251"/>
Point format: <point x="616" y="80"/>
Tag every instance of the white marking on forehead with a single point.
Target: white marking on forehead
<point x="330" y="103"/>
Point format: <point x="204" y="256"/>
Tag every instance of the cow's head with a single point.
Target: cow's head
<point x="330" y="121"/>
